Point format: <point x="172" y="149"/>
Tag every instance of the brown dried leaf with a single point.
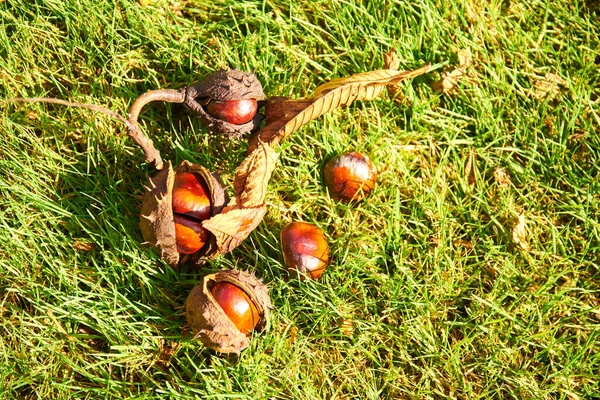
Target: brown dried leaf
<point x="450" y="79"/>
<point x="471" y="167"/>
<point x="83" y="245"/>
<point x="391" y="60"/>
<point x="519" y="232"/>
<point x="285" y="116"/>
<point x="548" y="86"/>
<point x="233" y="225"/>
<point x="252" y="176"/>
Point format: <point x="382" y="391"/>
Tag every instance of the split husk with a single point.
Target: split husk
<point x="156" y="219"/>
<point x="208" y="321"/>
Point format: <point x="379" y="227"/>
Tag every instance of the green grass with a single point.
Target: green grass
<point x="443" y="303"/>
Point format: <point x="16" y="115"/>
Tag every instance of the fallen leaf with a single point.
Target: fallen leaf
<point x="144" y="3"/>
<point x="548" y="86"/>
<point x="347" y="326"/>
<point x="450" y="79"/>
<point x="471" y="167"/>
<point x="82" y="245"/>
<point x="502" y="178"/>
<point x="392" y="61"/>
<point x="252" y="176"/>
<point x="519" y="232"/>
<point x="284" y="116"/>
<point x="233" y="225"/>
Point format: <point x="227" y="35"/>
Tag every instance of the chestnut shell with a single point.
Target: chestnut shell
<point x="156" y="219"/>
<point x="208" y="321"/>
<point x="225" y="85"/>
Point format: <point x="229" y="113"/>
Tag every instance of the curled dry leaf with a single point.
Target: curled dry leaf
<point x="243" y="213"/>
<point x="284" y="116"/>
<point x="450" y="79"/>
<point x="519" y="232"/>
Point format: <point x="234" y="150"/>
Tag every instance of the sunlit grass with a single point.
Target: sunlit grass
<point x="428" y="294"/>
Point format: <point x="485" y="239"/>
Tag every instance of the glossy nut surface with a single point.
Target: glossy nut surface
<point x="235" y="112"/>
<point x="237" y="306"/>
<point x="191" y="196"/>
<point x="349" y="176"/>
<point x="190" y="236"/>
<point x="305" y="249"/>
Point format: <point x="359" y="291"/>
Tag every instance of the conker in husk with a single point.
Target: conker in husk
<point x="226" y="308"/>
<point x="173" y="211"/>
<point x="227" y="101"/>
<point x="237" y="305"/>
<point x="305" y="249"/>
<point x="349" y="176"/>
<point x="235" y="112"/>
<point x="191" y="206"/>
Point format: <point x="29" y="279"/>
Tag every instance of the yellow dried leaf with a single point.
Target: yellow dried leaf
<point x="284" y="116"/>
<point x="252" y="176"/>
<point x="519" y="232"/>
<point x="548" y="86"/>
<point x="391" y="60"/>
<point x="144" y="3"/>
<point x="450" y="79"/>
<point x="233" y="225"/>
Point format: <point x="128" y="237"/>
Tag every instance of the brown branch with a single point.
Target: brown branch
<point x="171" y="96"/>
<point x="51" y="100"/>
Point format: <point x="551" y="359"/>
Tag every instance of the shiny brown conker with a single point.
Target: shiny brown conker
<point x="191" y="206"/>
<point x="237" y="305"/>
<point x="349" y="176"/>
<point x="235" y="112"/>
<point x="305" y="249"/>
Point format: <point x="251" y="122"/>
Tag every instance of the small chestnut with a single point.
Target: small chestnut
<point x="349" y="176"/>
<point x="235" y="112"/>
<point x="305" y="249"/>
<point x="237" y="305"/>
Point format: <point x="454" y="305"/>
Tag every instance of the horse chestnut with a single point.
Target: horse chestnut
<point x="349" y="176"/>
<point x="305" y="249"/>
<point x="237" y="305"/>
<point x="225" y="308"/>
<point x="235" y="112"/>
<point x="191" y="206"/>
<point x="174" y="209"/>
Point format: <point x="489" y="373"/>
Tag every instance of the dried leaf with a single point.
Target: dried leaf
<point x="144" y="3"/>
<point x="450" y="79"/>
<point x="502" y="178"/>
<point x="233" y="225"/>
<point x="285" y="116"/>
<point x="548" y="86"/>
<point x="252" y="176"/>
<point x="392" y="61"/>
<point x="347" y="326"/>
<point x="471" y="167"/>
<point x="519" y="232"/>
<point x="83" y="245"/>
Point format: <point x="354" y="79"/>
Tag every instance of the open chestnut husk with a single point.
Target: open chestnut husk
<point x="210" y="322"/>
<point x="174" y="207"/>
<point x="227" y="101"/>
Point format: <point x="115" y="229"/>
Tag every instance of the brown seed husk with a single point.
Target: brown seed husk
<point x="223" y="86"/>
<point x="156" y="220"/>
<point x="208" y="321"/>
